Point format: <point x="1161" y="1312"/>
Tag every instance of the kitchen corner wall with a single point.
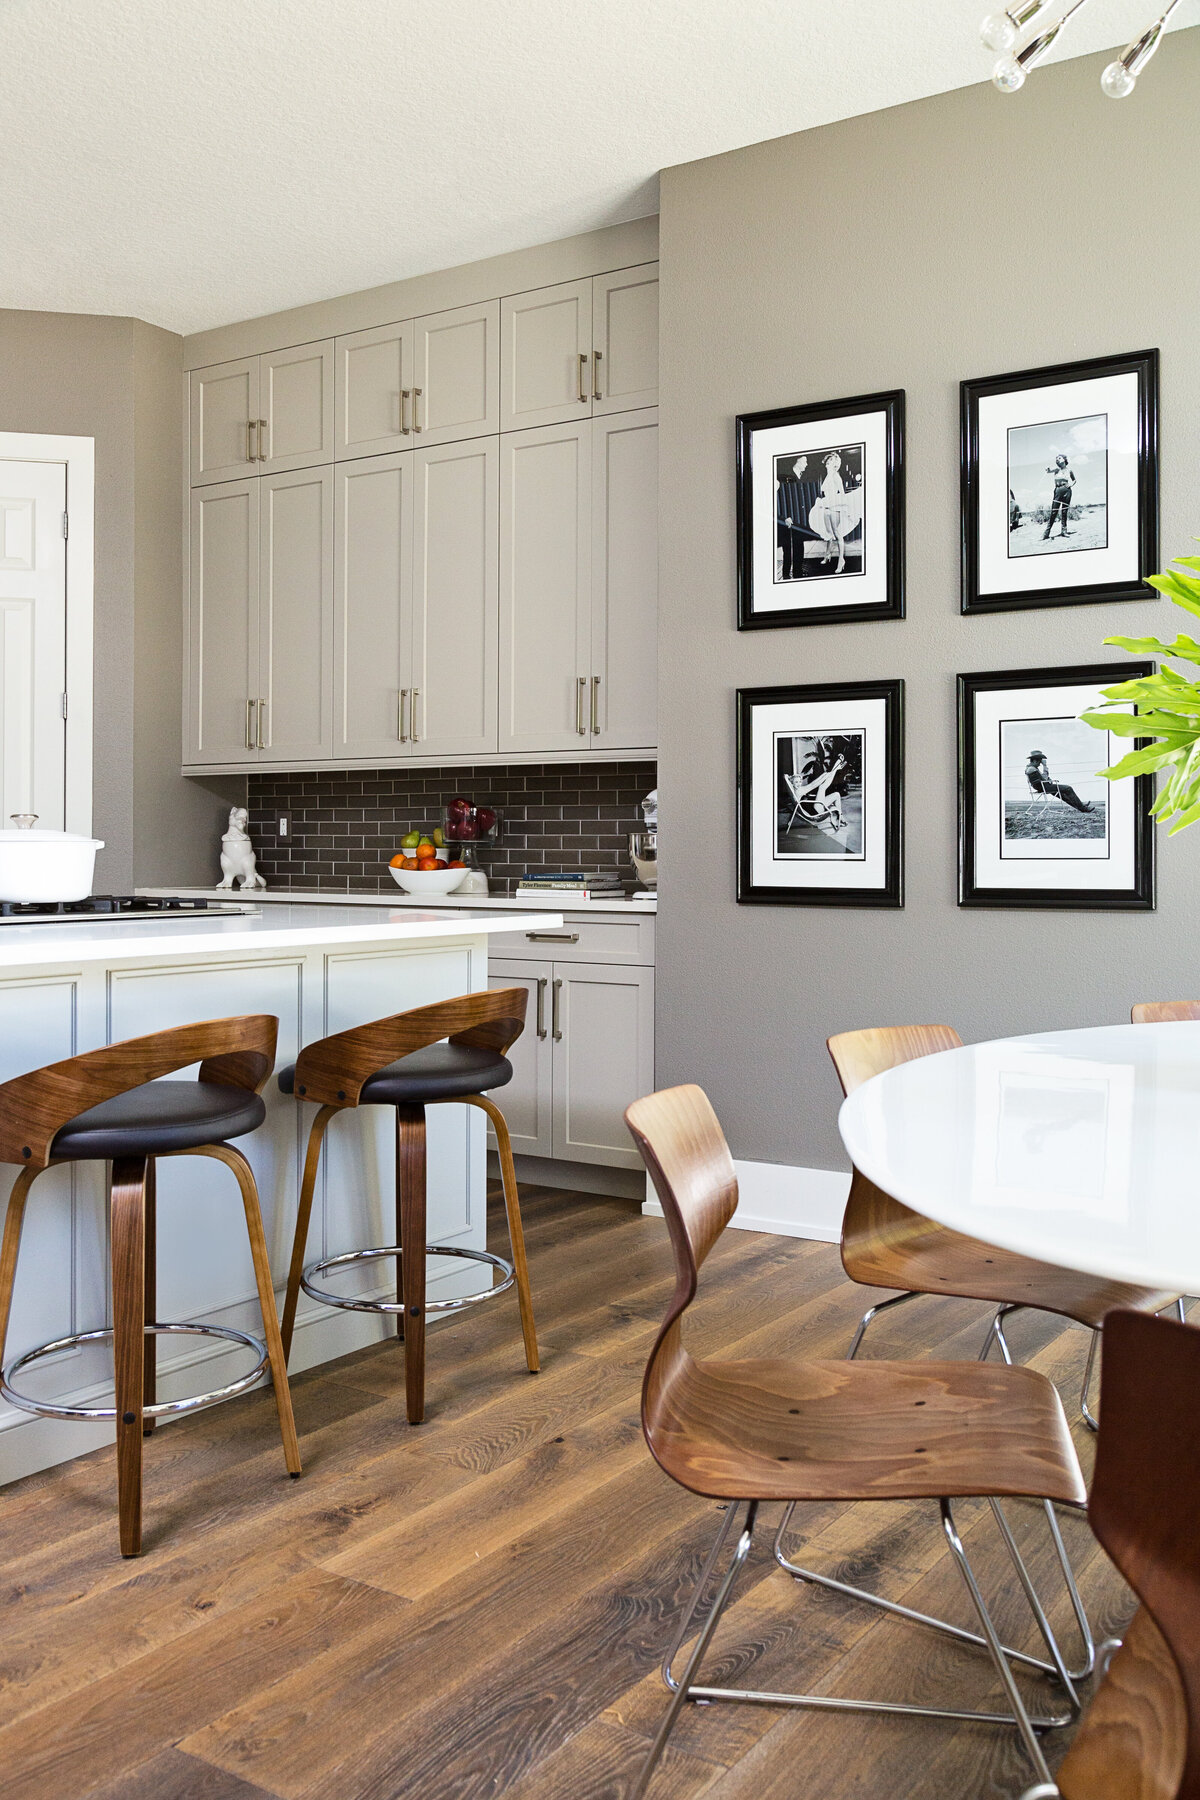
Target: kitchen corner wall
<point x="960" y="236"/>
<point x="118" y="381"/>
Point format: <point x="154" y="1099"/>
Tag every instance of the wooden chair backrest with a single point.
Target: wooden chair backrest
<point x="333" y="1070"/>
<point x="1145" y="1501"/>
<point x="857" y="1055"/>
<point x="684" y="1149"/>
<point x="237" y="1053"/>
<point x="1164" y="1012"/>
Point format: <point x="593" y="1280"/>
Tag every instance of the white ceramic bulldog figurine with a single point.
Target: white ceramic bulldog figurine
<point x="237" y="854"/>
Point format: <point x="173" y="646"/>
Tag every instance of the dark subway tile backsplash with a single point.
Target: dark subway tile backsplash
<point x="343" y="826"/>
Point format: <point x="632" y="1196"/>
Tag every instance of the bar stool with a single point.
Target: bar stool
<point x="110" y="1105"/>
<point x="401" y="1062"/>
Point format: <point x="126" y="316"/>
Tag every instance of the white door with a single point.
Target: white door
<point x="295" y="399"/>
<point x="623" y="688"/>
<point x="373" y="533"/>
<point x="625" y="339"/>
<point x="33" y="641"/>
<point x="456" y="374"/>
<point x="455" y="602"/>
<point x="223" y="420"/>
<point x="374" y="391"/>
<point x="222" y="642"/>
<point x="545" y="588"/>
<point x="602" y="1030"/>
<point x="526" y="1101"/>
<point x="295" y="680"/>
<point x="546" y="356"/>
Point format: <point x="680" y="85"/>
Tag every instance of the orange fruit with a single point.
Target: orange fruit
<point x="398" y="861"/>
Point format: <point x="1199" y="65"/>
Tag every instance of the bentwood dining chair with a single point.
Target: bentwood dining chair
<point x="1140" y="1738"/>
<point x="751" y="1432"/>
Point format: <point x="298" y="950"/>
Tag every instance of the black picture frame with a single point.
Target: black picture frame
<point x="1143" y="364"/>
<point x="837" y="612"/>
<point x="888" y="893"/>
<point x="1139" y="896"/>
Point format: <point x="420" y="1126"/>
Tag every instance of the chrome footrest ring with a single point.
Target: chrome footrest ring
<point x="350" y="1257"/>
<point x="160" y="1409"/>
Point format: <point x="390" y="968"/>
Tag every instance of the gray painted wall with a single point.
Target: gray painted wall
<point x="118" y="381"/>
<point x="956" y="237"/>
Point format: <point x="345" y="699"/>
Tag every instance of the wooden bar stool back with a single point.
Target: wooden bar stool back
<point x="775" y="1429"/>
<point x="111" y="1105"/>
<point x="1165" y="1012"/>
<point x="1140" y="1738"/>
<point x="403" y="1062"/>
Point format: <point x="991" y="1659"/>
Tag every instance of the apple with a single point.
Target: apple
<point x="458" y="806"/>
<point x="485" y="819"/>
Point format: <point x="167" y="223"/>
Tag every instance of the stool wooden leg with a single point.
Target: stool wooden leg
<point x="308" y="1188"/>
<point x="127" y="1209"/>
<point x="410" y="1200"/>
<point x="150" y="1346"/>
<point x="516" y="1236"/>
<point x="13" y="1220"/>
<point x="232" y="1157"/>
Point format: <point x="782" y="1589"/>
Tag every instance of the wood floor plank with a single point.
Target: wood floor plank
<point x="173" y="1775"/>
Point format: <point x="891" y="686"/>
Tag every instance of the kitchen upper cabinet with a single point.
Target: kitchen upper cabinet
<point x="625" y="340"/>
<point x="222" y="638"/>
<point x="294" y="688"/>
<point x="623" y="674"/>
<point x="374" y="391"/>
<point x="295" y="402"/>
<point x="455" y="600"/>
<point x="527" y="1099"/>
<point x="373" y="532"/>
<point x="602" y="1040"/>
<point x="262" y="415"/>
<point x="456" y="374"/>
<point x="545" y="588"/>
<point x="223" y="421"/>
<point x="546" y="353"/>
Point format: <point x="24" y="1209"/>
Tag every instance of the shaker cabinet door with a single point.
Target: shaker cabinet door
<point x="625" y="340"/>
<point x="603" y="1059"/>
<point x="456" y="374"/>
<point x="545" y="588"/>
<point x="222" y="421"/>
<point x="455" y="603"/>
<point x="222" y="635"/>
<point x="296" y="408"/>
<point x="623" y="686"/>
<point x="373" y="533"/>
<point x="295" y="681"/>
<point x="546" y="356"/>
<point x="374" y="392"/>
<point x="526" y="1101"/>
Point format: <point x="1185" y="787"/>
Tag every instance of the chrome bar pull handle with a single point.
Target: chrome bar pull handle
<point x="262" y="713"/>
<point x="263" y="451"/>
<point x="596" y="355"/>
<point x="416" y="695"/>
<point x="250" y="705"/>
<point x="580" y="690"/>
<point x="541" y="1006"/>
<point x="595" y="705"/>
<point x="401" y="697"/>
<point x="405" y="395"/>
<point x="555" y="1011"/>
<point x="251" y="452"/>
<point x="583" y="373"/>
<point x="553" y="937"/>
<point x="416" y="416"/>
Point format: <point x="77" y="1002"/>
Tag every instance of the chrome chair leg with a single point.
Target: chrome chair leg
<point x="1085" y="1412"/>
<point x="1035" y="1605"/>
<point x="871" y="1313"/>
<point x="1045" y="1790"/>
<point x="710" y="1563"/>
<point x="995" y="1333"/>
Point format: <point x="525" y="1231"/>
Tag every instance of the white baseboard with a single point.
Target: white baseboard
<point x="791" y="1202"/>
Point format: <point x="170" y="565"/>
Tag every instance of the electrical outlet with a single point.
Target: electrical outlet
<point x="283" y="826"/>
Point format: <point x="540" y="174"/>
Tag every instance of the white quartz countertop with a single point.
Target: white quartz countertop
<point x="274" y="927"/>
<point x="557" y="902"/>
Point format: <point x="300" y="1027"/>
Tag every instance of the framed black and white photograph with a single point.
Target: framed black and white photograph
<point x="1060" y="485"/>
<point x="820" y="795"/>
<point x="820" y="513"/>
<point x="1039" y="826"/>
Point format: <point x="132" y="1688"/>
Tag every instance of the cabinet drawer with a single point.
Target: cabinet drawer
<point x="603" y="940"/>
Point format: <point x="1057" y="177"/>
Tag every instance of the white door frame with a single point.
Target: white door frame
<point x="79" y="455"/>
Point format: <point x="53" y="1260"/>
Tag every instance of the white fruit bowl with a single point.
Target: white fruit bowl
<point x="428" y="883"/>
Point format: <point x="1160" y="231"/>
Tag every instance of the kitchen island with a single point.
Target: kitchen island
<point x="69" y="985"/>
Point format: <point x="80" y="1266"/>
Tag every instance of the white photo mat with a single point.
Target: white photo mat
<point x="868" y="588"/>
<point x="807" y="719"/>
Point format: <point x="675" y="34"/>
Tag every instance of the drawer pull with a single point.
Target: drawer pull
<point x="401" y="698"/>
<point x="251" y="452"/>
<point x="541" y="1005"/>
<point x="596" y="355"/>
<point x="552" y="937"/>
<point x="263" y="447"/>
<point x="258" y="737"/>
<point x="596" y="704"/>
<point x="250" y="706"/>
<point x="583" y="375"/>
<point x="416" y="421"/>
<point x="555" y="1004"/>
<point x="404" y="398"/>
<point x="580" y="691"/>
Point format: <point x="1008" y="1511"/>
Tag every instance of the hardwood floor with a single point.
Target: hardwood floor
<point x="476" y="1606"/>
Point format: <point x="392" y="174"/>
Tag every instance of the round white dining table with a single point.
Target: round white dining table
<point x="1078" y="1147"/>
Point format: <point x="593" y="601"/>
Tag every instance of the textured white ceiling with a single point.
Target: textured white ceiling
<point x="193" y="162"/>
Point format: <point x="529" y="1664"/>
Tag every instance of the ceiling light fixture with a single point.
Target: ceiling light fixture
<point x="1000" y="31"/>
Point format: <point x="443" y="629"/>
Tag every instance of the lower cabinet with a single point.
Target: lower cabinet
<point x="587" y="1050"/>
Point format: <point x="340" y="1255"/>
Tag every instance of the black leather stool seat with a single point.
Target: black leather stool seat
<point x="158" y="1117"/>
<point x="438" y="1072"/>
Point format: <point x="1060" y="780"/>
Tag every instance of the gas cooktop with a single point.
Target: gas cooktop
<point x="110" y="906"/>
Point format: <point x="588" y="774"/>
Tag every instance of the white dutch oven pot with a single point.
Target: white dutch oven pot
<point x="45" y="865"/>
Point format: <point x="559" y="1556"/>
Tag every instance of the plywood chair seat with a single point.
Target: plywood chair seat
<point x="787" y="1430"/>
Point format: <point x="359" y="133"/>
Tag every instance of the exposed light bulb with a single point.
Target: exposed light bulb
<point x="998" y="32"/>
<point x="1008" y="75"/>
<point x="1117" y="81"/>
